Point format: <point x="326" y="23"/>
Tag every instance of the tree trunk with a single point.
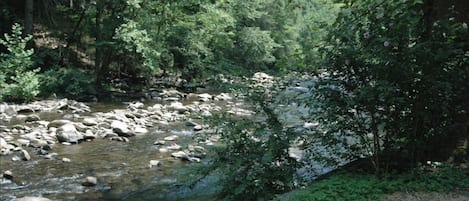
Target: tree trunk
<point x="28" y="17"/>
<point x="98" y="43"/>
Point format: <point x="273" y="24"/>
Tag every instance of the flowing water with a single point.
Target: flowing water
<point x="122" y="169"/>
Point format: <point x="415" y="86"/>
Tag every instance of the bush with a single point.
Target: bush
<point x="362" y="186"/>
<point x="68" y="82"/>
<point x="253" y="161"/>
<point x="18" y="81"/>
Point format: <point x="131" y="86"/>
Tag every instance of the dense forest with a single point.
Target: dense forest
<point x="391" y="74"/>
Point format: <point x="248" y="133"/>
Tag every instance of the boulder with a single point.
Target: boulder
<point x="90" y="122"/>
<point x="121" y="128"/>
<point x="68" y="133"/>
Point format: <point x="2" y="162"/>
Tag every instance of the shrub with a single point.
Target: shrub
<point x="69" y="82"/>
<point x="18" y="81"/>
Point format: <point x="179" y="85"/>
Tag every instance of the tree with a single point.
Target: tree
<point x="396" y="79"/>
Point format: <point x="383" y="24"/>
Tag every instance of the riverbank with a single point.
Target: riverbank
<point x="444" y="183"/>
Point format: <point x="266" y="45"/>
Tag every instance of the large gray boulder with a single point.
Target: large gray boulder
<point x="121" y="128"/>
<point x="69" y="133"/>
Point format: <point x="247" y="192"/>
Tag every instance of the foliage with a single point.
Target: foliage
<point x="253" y="161"/>
<point x="363" y="186"/>
<point x="394" y="80"/>
<point x="18" y="81"/>
<point x="69" y="82"/>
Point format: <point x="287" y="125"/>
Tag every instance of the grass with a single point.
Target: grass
<point x="344" y="186"/>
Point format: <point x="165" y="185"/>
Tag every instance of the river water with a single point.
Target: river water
<point x="122" y="169"/>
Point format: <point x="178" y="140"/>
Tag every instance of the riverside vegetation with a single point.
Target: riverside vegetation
<point x="378" y="83"/>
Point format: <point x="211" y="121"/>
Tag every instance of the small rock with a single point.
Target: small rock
<point x="25" y="155"/>
<point x="89" y="122"/>
<point x="180" y="155"/>
<point x="89" y="135"/>
<point x="32" y="199"/>
<point x="15" y="158"/>
<point x="136" y="105"/>
<point x="8" y="175"/>
<point x="174" y="147"/>
<point x="23" y="142"/>
<point x="32" y="117"/>
<point x="58" y="123"/>
<point x="159" y="142"/>
<point x="163" y="150"/>
<point x="198" y="128"/>
<point x="171" y="138"/>
<point x="50" y="156"/>
<point x="66" y="160"/>
<point x="90" y="181"/>
<point x="155" y="163"/>
<point x="194" y="159"/>
<point x="204" y="97"/>
<point x="140" y="130"/>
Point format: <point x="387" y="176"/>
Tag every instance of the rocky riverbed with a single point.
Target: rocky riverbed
<point x="62" y="149"/>
<point x="68" y="150"/>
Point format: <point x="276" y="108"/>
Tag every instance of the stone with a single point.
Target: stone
<point x="180" y="155"/>
<point x="68" y="133"/>
<point x="8" y="175"/>
<point x="171" y="138"/>
<point x="121" y="128"/>
<point x="23" y="142"/>
<point x="136" y="105"/>
<point x="89" y="122"/>
<point x="154" y="163"/>
<point x="178" y="107"/>
<point x="223" y="97"/>
<point x="32" y="117"/>
<point x="58" y="123"/>
<point x="9" y="110"/>
<point x="66" y="160"/>
<point x="174" y="147"/>
<point x="163" y="150"/>
<point x="89" y="135"/>
<point x="27" y="198"/>
<point x="3" y="143"/>
<point x="198" y="128"/>
<point x="25" y="155"/>
<point x="89" y="181"/>
<point x="194" y="159"/>
<point x="159" y="142"/>
<point x="204" y="97"/>
<point x="37" y="143"/>
<point x="138" y="130"/>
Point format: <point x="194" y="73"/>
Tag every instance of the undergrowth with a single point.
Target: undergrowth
<point x="364" y="186"/>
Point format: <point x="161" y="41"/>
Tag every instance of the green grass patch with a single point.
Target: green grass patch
<point x="363" y="186"/>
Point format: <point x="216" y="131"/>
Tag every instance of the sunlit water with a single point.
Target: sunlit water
<point x="122" y="169"/>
